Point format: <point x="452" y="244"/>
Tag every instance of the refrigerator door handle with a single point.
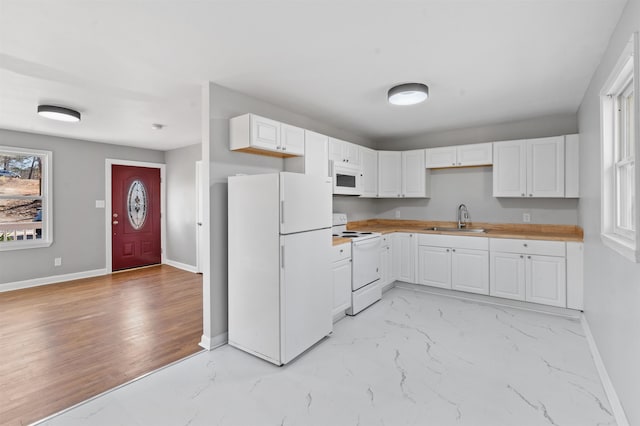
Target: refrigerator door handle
<point x="282" y="211"/>
<point x="282" y="256"/>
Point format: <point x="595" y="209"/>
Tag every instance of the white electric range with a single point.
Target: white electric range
<point x="365" y="264"/>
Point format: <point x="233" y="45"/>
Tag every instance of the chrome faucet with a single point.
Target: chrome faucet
<point x="463" y="216"/>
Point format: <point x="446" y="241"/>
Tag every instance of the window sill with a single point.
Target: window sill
<point x="10" y="246"/>
<point x="621" y="246"/>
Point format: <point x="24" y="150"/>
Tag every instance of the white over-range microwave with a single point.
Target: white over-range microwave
<point x="346" y="180"/>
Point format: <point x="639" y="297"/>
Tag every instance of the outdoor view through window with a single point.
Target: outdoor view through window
<point x="21" y="196"/>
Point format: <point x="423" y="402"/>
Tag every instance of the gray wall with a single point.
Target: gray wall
<point x="612" y="283"/>
<point x="78" y="226"/>
<point x="181" y="213"/>
<point x="224" y="105"/>
<point x="473" y="186"/>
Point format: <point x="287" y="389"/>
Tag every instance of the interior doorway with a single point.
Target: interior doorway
<point x="134" y="211"/>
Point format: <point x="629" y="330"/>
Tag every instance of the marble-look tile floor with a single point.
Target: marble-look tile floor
<point x="411" y="359"/>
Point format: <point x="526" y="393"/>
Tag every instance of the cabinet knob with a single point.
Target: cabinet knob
<point x="447" y="250"/>
<point x="528" y="257"/>
<point x="521" y="257"/>
<point x="522" y="194"/>
<point x="459" y="164"/>
<point x="453" y="250"/>
<point x="347" y="160"/>
<point x="526" y="245"/>
<point x="284" y="148"/>
<point x="411" y="235"/>
<point x="530" y="195"/>
<point x="341" y="250"/>
<point x="453" y="164"/>
<point x="277" y="147"/>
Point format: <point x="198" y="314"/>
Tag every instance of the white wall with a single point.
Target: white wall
<point x="78" y="226"/>
<point x="612" y="283"/>
<point x="225" y="104"/>
<point x="181" y="196"/>
<point x="474" y="186"/>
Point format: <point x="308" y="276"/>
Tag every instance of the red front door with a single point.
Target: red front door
<point x="135" y="215"/>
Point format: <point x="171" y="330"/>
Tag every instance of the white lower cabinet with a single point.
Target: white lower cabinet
<point x="434" y="266"/>
<point x="533" y="271"/>
<point x="470" y="270"/>
<point x="386" y="262"/>
<point x="458" y="263"/>
<point x="546" y="281"/>
<point x="404" y="256"/>
<point x="341" y="278"/>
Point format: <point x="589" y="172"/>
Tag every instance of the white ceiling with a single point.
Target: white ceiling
<point x="128" y="63"/>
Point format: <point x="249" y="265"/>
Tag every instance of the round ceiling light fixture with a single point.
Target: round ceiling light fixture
<point x="157" y="126"/>
<point x="408" y="94"/>
<point x="59" y="113"/>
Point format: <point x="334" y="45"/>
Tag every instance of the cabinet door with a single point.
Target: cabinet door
<point x="404" y="256"/>
<point x="351" y="152"/>
<point x="434" y="266"/>
<point x="507" y="275"/>
<point x="545" y="167"/>
<point x="475" y="155"/>
<point x="509" y="169"/>
<point x="546" y="280"/>
<point x="316" y="154"/>
<point x="369" y="173"/>
<point x="413" y="174"/>
<point x="265" y="133"/>
<point x="335" y="150"/>
<point x="389" y="174"/>
<point x="470" y="270"/>
<point x="291" y="139"/>
<point x="440" y="157"/>
<point x="386" y="266"/>
<point x="341" y="276"/>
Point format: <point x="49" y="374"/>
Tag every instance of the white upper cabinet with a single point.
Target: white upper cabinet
<point x="292" y="139"/>
<point x="479" y="154"/>
<point x="369" y="172"/>
<point x="414" y="175"/>
<point x="344" y="152"/>
<point x="441" y="157"/>
<point x="389" y="174"/>
<point x="545" y="167"/>
<point x="529" y="168"/>
<point x="509" y="169"/>
<point x="259" y="135"/>
<point x="402" y="174"/>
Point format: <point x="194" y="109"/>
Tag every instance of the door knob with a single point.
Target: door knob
<point x="115" y="215"/>
<point x="115" y="222"/>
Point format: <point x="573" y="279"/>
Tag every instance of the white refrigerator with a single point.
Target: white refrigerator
<point x="279" y="263"/>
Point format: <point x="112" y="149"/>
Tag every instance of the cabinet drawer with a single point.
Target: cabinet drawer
<point x="544" y="248"/>
<point x="343" y="251"/>
<point x="452" y="241"/>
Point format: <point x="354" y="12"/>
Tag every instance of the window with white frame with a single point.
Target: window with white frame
<point x="25" y="198"/>
<point x="619" y="110"/>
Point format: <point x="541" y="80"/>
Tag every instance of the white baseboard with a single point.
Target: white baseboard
<point x="616" y="406"/>
<point x="183" y="266"/>
<point x="211" y="343"/>
<point x="17" y="285"/>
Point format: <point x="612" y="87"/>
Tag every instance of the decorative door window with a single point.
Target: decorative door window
<point x="137" y="203"/>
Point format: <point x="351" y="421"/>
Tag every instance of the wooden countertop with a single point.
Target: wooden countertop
<point x="340" y="240"/>
<point x="494" y="230"/>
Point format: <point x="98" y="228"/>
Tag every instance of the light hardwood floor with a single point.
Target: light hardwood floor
<point x="61" y="344"/>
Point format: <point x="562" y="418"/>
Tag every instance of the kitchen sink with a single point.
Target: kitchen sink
<point x="465" y="230"/>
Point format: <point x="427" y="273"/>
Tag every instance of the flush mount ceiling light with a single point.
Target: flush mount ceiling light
<point x="157" y="126"/>
<point x="59" y="113"/>
<point x="408" y="94"/>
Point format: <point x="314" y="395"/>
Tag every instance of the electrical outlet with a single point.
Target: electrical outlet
<point x="526" y="217"/>
<point x="57" y="261"/>
<point x="397" y="214"/>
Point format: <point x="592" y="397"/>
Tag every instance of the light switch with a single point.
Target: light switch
<point x="99" y="204"/>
